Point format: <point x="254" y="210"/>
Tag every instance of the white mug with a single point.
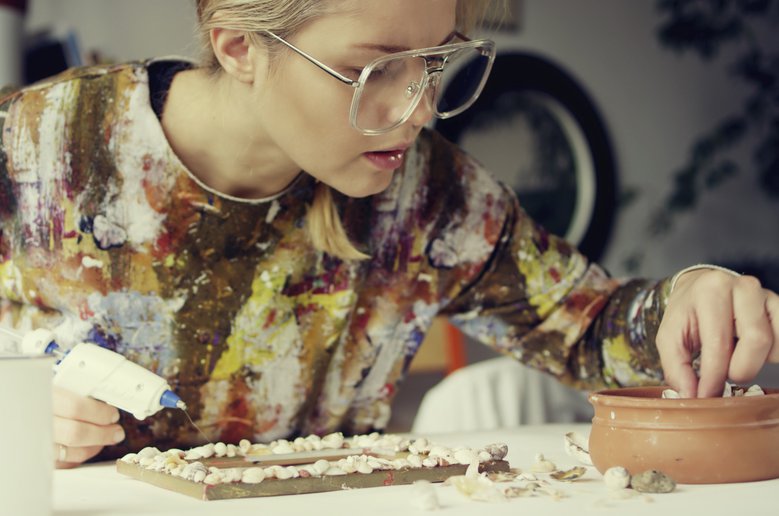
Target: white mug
<point x="26" y="435"/>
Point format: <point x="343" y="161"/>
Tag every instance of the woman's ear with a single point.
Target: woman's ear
<point x="235" y="53"/>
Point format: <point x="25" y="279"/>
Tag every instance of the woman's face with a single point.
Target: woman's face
<point x="305" y="111"/>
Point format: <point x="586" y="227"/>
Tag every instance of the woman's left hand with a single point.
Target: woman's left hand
<point x="732" y="321"/>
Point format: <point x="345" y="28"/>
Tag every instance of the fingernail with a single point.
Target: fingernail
<point x="115" y="417"/>
<point x="119" y="436"/>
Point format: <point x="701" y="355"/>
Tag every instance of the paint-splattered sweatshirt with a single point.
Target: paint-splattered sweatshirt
<point x="107" y="237"/>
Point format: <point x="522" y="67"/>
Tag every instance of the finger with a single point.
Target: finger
<point x="772" y="309"/>
<point x="753" y="327"/>
<point x="675" y="354"/>
<point x="71" y="432"/>
<point x="73" y="406"/>
<point x="715" y="331"/>
<point x="70" y="457"/>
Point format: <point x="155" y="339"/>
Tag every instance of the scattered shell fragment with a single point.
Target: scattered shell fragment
<point x="424" y="496"/>
<point x="542" y="465"/>
<point x="529" y="489"/>
<point x="652" y="481"/>
<point x="505" y="476"/>
<point x="616" y="477"/>
<point x="576" y="446"/>
<point x="754" y="390"/>
<point x="569" y="475"/>
<point x="670" y="394"/>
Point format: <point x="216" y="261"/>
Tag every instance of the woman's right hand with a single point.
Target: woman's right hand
<point x="82" y="427"/>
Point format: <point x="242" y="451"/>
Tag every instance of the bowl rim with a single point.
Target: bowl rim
<point x="628" y="397"/>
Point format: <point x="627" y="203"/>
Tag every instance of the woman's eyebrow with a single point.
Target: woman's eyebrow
<point x="391" y="49"/>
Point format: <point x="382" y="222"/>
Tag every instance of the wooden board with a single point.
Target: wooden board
<point x="276" y="487"/>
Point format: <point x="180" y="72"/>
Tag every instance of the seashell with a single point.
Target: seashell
<point x="321" y="466"/>
<point x="400" y="464"/>
<point x="569" y="475"/>
<point x="244" y="445"/>
<point x="299" y="444"/>
<point x="207" y="450"/>
<point x="465" y="456"/>
<point x="415" y="461"/>
<point x="438" y="451"/>
<point x="652" y="481"/>
<point x="522" y="491"/>
<point x="424" y="496"/>
<point x="754" y="390"/>
<point x="576" y="446"/>
<point x="484" y="456"/>
<point x="149" y="451"/>
<point x="292" y="471"/>
<point x="728" y="391"/>
<point x="253" y="475"/>
<point x="347" y="466"/>
<point x="616" y="477"/>
<point x="670" y="394"/>
<point x="283" y="446"/>
<point x="542" y="465"/>
<point x="220" y="449"/>
<point x="194" y="454"/>
<point x="232" y="450"/>
<point x="131" y="458"/>
<point x="232" y="475"/>
<point x="430" y="462"/>
<point x="212" y="479"/>
<point x="334" y="471"/>
<point x="497" y="450"/>
<point x="365" y="468"/>
<point x="199" y="476"/>
<point x="146" y="462"/>
<point x="333" y="441"/>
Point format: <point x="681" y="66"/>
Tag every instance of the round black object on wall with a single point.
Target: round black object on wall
<point x="536" y="129"/>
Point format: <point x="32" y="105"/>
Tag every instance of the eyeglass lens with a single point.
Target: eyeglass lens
<point x="393" y="87"/>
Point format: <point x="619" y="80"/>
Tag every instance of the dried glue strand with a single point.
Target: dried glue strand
<point x="186" y="413"/>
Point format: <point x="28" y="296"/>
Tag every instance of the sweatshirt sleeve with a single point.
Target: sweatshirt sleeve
<point x="539" y="300"/>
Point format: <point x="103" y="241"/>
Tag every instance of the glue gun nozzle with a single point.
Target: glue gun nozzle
<point x="181" y="405"/>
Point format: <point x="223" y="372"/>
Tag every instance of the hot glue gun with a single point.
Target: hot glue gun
<point x="90" y="370"/>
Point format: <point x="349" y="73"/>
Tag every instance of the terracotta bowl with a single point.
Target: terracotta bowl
<point x="695" y="441"/>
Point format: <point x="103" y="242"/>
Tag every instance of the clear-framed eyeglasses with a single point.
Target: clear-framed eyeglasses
<point x="450" y="77"/>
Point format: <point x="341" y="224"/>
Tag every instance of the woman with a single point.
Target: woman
<point x="274" y="231"/>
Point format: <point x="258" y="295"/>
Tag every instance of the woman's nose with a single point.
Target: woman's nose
<point x="424" y="110"/>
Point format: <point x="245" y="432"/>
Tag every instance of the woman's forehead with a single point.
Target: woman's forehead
<point x="397" y="24"/>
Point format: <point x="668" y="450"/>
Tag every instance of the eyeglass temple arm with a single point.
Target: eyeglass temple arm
<point x="315" y="61"/>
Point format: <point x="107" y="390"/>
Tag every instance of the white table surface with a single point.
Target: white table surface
<point x="99" y="490"/>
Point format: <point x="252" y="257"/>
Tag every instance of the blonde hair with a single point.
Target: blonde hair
<point x="284" y="18"/>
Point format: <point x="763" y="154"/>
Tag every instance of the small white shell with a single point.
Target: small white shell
<point x="131" y="458"/>
<point x="333" y="441"/>
<point x="542" y="465"/>
<point x="199" y="476"/>
<point x="670" y="394"/>
<point x="283" y="447"/>
<point x="424" y="496"/>
<point x="244" y="445"/>
<point x="321" y="466"/>
<point x="755" y="390"/>
<point x="149" y="451"/>
<point x="616" y="477"/>
<point x="253" y="476"/>
<point x="364" y="467"/>
<point x="212" y="479"/>
<point x="465" y="456"/>
<point x="220" y="449"/>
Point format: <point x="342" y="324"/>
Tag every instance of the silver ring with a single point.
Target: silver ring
<point x="62" y="453"/>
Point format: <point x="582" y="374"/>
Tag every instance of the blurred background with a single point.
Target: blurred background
<point x="646" y="132"/>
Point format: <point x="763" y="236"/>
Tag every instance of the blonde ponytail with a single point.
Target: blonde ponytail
<point x="325" y="229"/>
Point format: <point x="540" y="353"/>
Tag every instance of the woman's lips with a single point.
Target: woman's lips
<point x="386" y="160"/>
